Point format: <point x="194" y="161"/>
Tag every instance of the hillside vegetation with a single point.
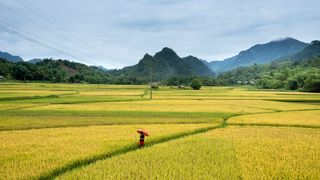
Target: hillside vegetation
<point x="162" y="66"/>
<point x="301" y="71"/>
<point x="259" y="54"/>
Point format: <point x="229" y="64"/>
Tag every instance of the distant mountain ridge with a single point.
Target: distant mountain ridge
<point x="311" y="51"/>
<point x="9" y="57"/>
<point x="101" y="68"/>
<point x="198" y="65"/>
<point x="34" y="61"/>
<point x="165" y="64"/>
<point x="302" y="69"/>
<point x="299" y="71"/>
<point x="259" y="54"/>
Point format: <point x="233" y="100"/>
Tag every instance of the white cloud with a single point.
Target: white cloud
<point x="123" y="31"/>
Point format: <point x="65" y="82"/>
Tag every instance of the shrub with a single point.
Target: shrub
<point x="154" y="86"/>
<point x="196" y="84"/>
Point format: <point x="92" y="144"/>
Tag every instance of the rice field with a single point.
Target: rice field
<point x="290" y="118"/>
<point x="48" y="149"/>
<point x="81" y="131"/>
<point x="228" y="153"/>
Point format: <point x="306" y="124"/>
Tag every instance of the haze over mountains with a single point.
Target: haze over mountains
<point x="9" y="57"/>
<point x="300" y="71"/>
<point x="166" y="63"/>
<point x="259" y="54"/>
<point x="287" y="68"/>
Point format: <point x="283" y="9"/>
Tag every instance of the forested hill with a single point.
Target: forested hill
<point x="260" y="54"/>
<point x="163" y="65"/>
<point x="52" y="71"/>
<point x="9" y="57"/>
<point x="300" y="71"/>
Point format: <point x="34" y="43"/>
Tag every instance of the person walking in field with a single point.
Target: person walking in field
<point x="141" y="142"/>
<point x="142" y="133"/>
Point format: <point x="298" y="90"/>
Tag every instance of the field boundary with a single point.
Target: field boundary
<point x="111" y="124"/>
<point x="275" y="125"/>
<point x="186" y="118"/>
<point x="29" y="97"/>
<point x="133" y="147"/>
<point x="226" y="123"/>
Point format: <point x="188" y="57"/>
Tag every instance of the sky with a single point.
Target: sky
<point x="118" y="33"/>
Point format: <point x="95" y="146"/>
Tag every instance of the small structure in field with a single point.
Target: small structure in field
<point x="1" y="78"/>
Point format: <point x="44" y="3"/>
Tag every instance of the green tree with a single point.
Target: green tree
<point x="292" y="84"/>
<point x="196" y="84"/>
<point x="21" y="72"/>
<point x="312" y="86"/>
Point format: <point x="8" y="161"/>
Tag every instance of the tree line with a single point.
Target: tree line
<point x="301" y="75"/>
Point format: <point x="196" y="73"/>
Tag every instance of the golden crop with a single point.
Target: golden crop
<point x="159" y="105"/>
<point x="274" y="152"/>
<point x="229" y="153"/>
<point x="50" y="128"/>
<point x="299" y="118"/>
<point x="31" y="153"/>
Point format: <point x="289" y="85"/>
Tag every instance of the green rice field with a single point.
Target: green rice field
<point x="81" y="131"/>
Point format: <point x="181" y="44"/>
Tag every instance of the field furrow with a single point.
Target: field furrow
<point x="55" y="150"/>
<point x="85" y="131"/>
<point x="224" y="153"/>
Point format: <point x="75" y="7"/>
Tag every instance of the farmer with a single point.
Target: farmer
<point x="142" y="133"/>
<point x="141" y="142"/>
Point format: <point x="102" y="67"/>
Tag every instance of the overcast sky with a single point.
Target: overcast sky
<point x="118" y="33"/>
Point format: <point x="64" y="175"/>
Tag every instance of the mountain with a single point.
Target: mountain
<point x="53" y="71"/>
<point x="101" y="68"/>
<point x="9" y="57"/>
<point x="34" y="61"/>
<point x="300" y="71"/>
<point x="165" y="64"/>
<point x="260" y="54"/>
<point x="198" y="65"/>
<point x="310" y="51"/>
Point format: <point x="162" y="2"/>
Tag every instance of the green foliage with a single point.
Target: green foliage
<point x="167" y="68"/>
<point x="292" y="84"/>
<point x="286" y="74"/>
<point x="58" y="71"/>
<point x="312" y="86"/>
<point x="292" y="73"/>
<point x="196" y="84"/>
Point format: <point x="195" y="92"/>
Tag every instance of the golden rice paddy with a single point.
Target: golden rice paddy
<point x="82" y="131"/>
